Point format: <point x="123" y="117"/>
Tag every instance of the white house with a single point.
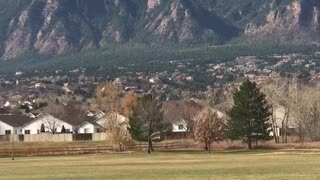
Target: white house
<point x="177" y="112"/>
<point x="34" y="115"/>
<point x="120" y="119"/>
<point x="98" y="114"/>
<point x="89" y="114"/>
<point x="11" y="124"/>
<point x="7" y="129"/>
<point x="279" y="114"/>
<point x="96" y="122"/>
<point x="39" y="123"/>
<point x="19" y="73"/>
<point x="179" y="126"/>
<point x="49" y="123"/>
<point x="90" y="127"/>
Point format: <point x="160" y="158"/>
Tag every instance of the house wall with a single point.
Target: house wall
<point x="279" y="114"/>
<point x="35" y="126"/>
<point x="4" y="127"/>
<point x="103" y="121"/>
<point x="277" y="132"/>
<point x="88" y="126"/>
<point x="175" y="127"/>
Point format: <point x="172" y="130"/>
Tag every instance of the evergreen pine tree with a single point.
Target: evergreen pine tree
<point x="249" y="117"/>
<point x="63" y="129"/>
<point x="42" y="129"/>
<point x="135" y="127"/>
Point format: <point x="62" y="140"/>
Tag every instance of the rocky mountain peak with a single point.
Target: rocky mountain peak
<point x="296" y="20"/>
<point x="61" y="26"/>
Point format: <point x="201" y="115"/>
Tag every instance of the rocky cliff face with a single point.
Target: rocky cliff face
<point x="298" y="21"/>
<point x="60" y="26"/>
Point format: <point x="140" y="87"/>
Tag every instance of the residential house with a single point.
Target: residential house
<point x="49" y="124"/>
<point x="11" y="124"/>
<point x="89" y="125"/>
<point x="98" y="114"/>
<point x="34" y="123"/>
<point x="89" y="113"/>
<point x="183" y="114"/>
<point x="180" y="114"/>
<point x="96" y="122"/>
<point x="280" y="115"/>
<point x="180" y="125"/>
<point x="34" y="115"/>
<point x="20" y="124"/>
<point x="103" y="121"/>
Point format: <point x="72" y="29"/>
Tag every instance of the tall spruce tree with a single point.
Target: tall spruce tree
<point x="249" y="117"/>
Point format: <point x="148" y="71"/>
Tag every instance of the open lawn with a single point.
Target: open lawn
<point x="304" y="164"/>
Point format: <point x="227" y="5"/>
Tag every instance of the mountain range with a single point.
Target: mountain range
<point x="54" y="27"/>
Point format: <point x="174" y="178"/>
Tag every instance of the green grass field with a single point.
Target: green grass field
<point x="195" y="165"/>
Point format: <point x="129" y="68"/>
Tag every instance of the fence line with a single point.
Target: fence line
<point x="55" y="151"/>
<point x="54" y="137"/>
<point x="84" y="150"/>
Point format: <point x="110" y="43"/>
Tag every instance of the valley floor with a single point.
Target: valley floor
<point x="284" y="164"/>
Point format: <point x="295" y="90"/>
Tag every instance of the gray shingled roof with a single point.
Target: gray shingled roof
<point x="15" y="120"/>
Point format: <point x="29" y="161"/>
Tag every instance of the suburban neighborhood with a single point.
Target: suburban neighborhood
<point x="160" y="89"/>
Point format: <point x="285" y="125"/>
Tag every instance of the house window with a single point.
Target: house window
<point x="181" y="127"/>
<point x="97" y="130"/>
<point x="7" y="132"/>
<point x="26" y="131"/>
<point x="67" y="130"/>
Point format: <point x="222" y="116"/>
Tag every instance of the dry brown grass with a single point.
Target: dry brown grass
<point x="305" y="145"/>
<point x="24" y="145"/>
<point x="197" y="165"/>
<point x="239" y="145"/>
<point x="188" y="144"/>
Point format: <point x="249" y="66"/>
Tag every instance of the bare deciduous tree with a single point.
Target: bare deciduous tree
<point x="52" y="124"/>
<point x="107" y="98"/>
<point x="116" y="127"/>
<point x="280" y="94"/>
<point x="128" y="102"/>
<point x="56" y="110"/>
<point x="209" y="128"/>
<point x="306" y="109"/>
<point x="147" y="120"/>
<point x="300" y="103"/>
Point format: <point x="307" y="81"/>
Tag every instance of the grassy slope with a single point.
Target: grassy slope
<point x="244" y="165"/>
